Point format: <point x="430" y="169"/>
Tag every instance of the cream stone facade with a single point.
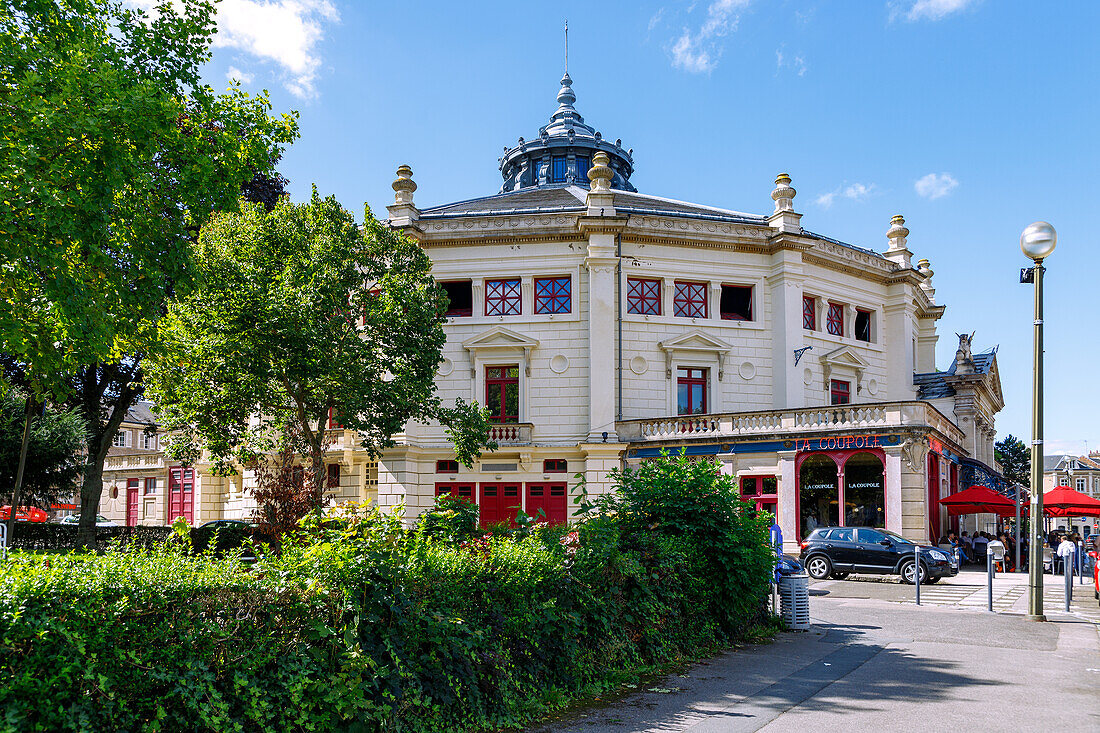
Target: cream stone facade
<point x="601" y="325"/>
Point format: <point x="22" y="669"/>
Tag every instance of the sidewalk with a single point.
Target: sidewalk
<point x="871" y="664"/>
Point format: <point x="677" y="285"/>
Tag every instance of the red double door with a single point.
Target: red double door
<point x="500" y="502"/>
<point x="181" y="494"/>
<point x="550" y="498"/>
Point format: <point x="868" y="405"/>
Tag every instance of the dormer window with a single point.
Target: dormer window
<point x="559" y="168"/>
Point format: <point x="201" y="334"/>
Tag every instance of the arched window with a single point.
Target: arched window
<point x="819" y="494"/>
<point x="864" y="491"/>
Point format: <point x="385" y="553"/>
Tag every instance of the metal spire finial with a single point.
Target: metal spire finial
<point x="566" y="45"/>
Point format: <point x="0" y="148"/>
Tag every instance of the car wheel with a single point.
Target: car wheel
<point x="907" y="574"/>
<point x="819" y="567"/>
<point x="839" y="576"/>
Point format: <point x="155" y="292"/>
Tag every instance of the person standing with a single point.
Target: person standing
<point x="1067" y="549"/>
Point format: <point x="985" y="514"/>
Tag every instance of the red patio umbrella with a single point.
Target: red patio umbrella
<point x="1062" y="501"/>
<point x="978" y="500"/>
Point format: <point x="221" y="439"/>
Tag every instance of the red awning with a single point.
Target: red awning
<point x="1062" y="501"/>
<point x="978" y="500"/>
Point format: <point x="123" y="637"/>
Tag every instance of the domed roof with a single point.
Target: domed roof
<point x="563" y="152"/>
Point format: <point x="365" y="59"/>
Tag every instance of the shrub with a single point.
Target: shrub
<point x="361" y="624"/>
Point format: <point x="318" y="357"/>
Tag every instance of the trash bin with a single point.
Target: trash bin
<point x="794" y="601"/>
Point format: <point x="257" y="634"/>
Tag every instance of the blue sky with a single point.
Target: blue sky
<point x="972" y="118"/>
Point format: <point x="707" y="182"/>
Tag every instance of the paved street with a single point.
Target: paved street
<point x="874" y="661"/>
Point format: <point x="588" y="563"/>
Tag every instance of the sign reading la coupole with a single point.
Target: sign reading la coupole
<point x="838" y="442"/>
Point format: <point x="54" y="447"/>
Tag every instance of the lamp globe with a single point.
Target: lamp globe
<point x="1038" y="240"/>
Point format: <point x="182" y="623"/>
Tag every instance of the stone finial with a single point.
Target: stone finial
<point x="784" y="219"/>
<point x="601" y="199"/>
<point x="897" y="252"/>
<point x="924" y="267"/>
<point x="404" y="185"/>
<point x="783" y="195"/>
<point x="897" y="232"/>
<point x="600" y="173"/>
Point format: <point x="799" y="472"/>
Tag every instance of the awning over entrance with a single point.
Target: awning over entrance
<point x="1062" y="501"/>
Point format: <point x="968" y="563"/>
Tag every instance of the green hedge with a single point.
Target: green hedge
<point x="364" y="625"/>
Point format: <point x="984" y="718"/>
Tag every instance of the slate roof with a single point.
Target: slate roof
<point x="563" y="197"/>
<point x="1078" y="463"/>
<point x="141" y="413"/>
<point x="931" y="385"/>
<point x="572" y="198"/>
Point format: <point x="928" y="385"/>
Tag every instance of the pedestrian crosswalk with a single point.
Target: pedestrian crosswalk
<point x="1007" y="598"/>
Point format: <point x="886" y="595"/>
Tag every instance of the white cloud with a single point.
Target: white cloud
<point x="698" y="51"/>
<point x="284" y="32"/>
<point x="854" y="192"/>
<point x="935" y="186"/>
<point x="236" y="74"/>
<point x="929" y="9"/>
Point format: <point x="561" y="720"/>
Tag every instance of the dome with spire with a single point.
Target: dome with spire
<point x="563" y="152"/>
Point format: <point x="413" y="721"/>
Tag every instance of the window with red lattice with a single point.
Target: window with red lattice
<point x="553" y="295"/>
<point x="502" y="298"/>
<point x="809" y="313"/>
<point x="690" y="300"/>
<point x="643" y="297"/>
<point x="835" y="320"/>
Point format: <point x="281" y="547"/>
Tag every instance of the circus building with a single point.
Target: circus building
<point x="600" y="325"/>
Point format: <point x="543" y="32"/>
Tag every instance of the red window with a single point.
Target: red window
<point x="835" y="320"/>
<point x="150" y="486"/>
<point x="502" y="298"/>
<point x="809" y="313"/>
<point x="181" y="493"/>
<point x="333" y="423"/>
<point x="460" y="298"/>
<point x="462" y="491"/>
<point x="446" y="466"/>
<point x="690" y="300"/>
<point x="132" y="485"/>
<point x="553" y="295"/>
<point x="691" y="391"/>
<point x="840" y="393"/>
<point x="643" y="297"/>
<point x="755" y="486"/>
<point x="551" y="499"/>
<point x="555" y="465"/>
<point x="333" y="476"/>
<point x="502" y="393"/>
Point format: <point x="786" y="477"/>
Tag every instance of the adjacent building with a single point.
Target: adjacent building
<point x="601" y="325"/>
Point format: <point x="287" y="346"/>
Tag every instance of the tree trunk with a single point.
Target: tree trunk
<point x="28" y="413"/>
<point x="90" y="491"/>
<point x="317" y="460"/>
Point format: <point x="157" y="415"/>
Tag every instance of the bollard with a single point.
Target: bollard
<point x="1081" y="563"/>
<point x="989" y="577"/>
<point x="916" y="570"/>
<point x="1067" y="571"/>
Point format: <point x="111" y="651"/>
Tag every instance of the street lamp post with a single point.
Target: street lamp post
<point x="1037" y="242"/>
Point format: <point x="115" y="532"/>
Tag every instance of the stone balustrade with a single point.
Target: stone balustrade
<point x="511" y="434"/>
<point x="835" y="418"/>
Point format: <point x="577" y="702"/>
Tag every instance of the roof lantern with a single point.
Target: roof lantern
<point x="563" y="152"/>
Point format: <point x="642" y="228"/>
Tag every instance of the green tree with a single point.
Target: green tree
<point x="112" y="155"/>
<point x="303" y="316"/>
<point x="54" y="460"/>
<point x="1015" y="459"/>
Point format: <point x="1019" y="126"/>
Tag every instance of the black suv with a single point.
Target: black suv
<point x="837" y="551"/>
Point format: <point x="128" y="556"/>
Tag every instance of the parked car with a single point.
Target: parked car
<point x="100" y="520"/>
<point x="837" y="551"/>
<point x="1095" y="555"/>
<point x="226" y="523"/>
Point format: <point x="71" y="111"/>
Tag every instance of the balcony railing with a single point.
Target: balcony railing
<point x="835" y="418"/>
<point x="137" y="460"/>
<point x="511" y="433"/>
